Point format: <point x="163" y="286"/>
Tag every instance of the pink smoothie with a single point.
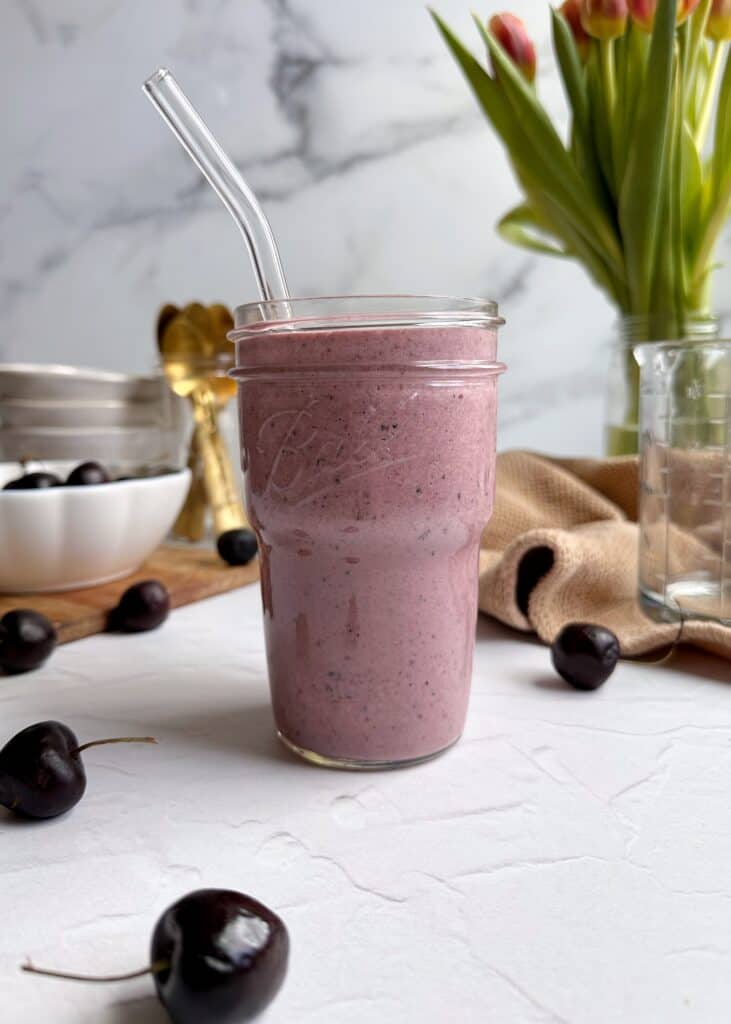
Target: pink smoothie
<point x="369" y="480"/>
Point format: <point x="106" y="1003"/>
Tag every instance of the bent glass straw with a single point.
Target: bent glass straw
<point x="192" y="132"/>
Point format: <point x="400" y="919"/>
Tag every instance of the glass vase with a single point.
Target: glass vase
<point x="685" y="480"/>
<point x="623" y="377"/>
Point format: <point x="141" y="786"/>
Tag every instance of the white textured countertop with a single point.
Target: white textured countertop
<point x="570" y="860"/>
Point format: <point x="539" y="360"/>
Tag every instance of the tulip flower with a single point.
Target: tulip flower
<point x="719" y="21"/>
<point x="637" y="187"/>
<point x="604" y="19"/>
<point x="571" y="11"/>
<point x="643" y="12"/>
<point x="512" y="35"/>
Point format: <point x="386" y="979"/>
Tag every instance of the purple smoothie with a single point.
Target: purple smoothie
<point x="369" y="477"/>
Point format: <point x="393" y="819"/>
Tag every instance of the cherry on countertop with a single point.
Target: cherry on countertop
<point x="216" y="956"/>
<point x="26" y="640"/>
<point x="41" y="776"/>
<point x="237" y="547"/>
<point x="585" y="655"/>
<point x="41" y="771"/>
<point x="142" y="607"/>
<point x="227" y="953"/>
<point x="33" y="482"/>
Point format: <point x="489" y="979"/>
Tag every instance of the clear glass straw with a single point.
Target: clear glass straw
<point x="223" y="175"/>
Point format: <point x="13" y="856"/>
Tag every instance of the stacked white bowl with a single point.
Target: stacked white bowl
<point x="128" y="423"/>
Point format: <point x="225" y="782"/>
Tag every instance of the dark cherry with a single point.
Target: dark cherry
<point x="143" y="606"/>
<point x="217" y="957"/>
<point x="26" y="640"/>
<point x="41" y="771"/>
<point x="87" y="474"/>
<point x="227" y="957"/>
<point x="33" y="482"/>
<point x="585" y="655"/>
<point x="237" y="547"/>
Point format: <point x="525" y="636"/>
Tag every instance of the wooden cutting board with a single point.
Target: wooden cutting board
<point x="190" y="574"/>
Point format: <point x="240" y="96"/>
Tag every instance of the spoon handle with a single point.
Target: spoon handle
<point x="223" y="495"/>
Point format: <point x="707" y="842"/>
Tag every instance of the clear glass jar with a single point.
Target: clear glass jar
<point x="685" y="480"/>
<point x="623" y="378"/>
<point x="368" y="440"/>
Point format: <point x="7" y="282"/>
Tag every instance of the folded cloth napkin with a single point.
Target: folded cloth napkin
<point x="562" y="546"/>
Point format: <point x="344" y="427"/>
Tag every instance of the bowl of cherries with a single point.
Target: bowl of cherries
<point x="65" y="526"/>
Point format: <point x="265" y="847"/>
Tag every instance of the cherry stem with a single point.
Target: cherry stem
<point x="159" y="965"/>
<point x="117" y="739"/>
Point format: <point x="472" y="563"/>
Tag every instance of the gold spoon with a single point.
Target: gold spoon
<point x="194" y="350"/>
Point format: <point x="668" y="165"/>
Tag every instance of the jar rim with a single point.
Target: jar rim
<point x="445" y="372"/>
<point x="693" y="318"/>
<point x="657" y="328"/>
<point x="724" y="344"/>
<point x="367" y="311"/>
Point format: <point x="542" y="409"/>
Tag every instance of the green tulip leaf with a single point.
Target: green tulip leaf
<point x="637" y="194"/>
<point x="722" y="151"/>
<point x="575" y="86"/>
<point x="696" y="51"/>
<point x="602" y="137"/>
<point x="522" y="227"/>
<point x="571" y="70"/>
<point x="548" y="188"/>
<point x="677" y="202"/>
<point x="718" y="186"/>
<point x="631" y="79"/>
<point x="640" y="196"/>
<point x="691" y="194"/>
<point x="558" y="171"/>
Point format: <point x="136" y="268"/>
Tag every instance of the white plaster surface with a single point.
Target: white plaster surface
<point x="568" y="861"/>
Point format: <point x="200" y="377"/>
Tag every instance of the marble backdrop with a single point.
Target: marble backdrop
<point x="355" y="127"/>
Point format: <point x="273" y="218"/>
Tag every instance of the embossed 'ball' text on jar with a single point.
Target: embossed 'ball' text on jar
<point x="368" y="448"/>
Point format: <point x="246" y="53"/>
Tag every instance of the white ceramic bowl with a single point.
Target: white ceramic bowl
<point x="67" y="537"/>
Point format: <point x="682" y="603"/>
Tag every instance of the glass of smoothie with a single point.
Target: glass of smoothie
<point x="368" y="449"/>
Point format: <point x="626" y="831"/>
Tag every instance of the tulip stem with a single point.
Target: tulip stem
<point x="704" y="118"/>
<point x="609" y="74"/>
<point x="608" y="63"/>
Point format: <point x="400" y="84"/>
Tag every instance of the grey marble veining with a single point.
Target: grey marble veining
<point x="352" y="123"/>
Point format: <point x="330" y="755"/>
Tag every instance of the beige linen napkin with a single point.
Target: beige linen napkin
<point x="562" y="547"/>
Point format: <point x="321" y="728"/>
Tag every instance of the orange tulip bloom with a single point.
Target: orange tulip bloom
<point x="719" y="21"/>
<point x="604" y="19"/>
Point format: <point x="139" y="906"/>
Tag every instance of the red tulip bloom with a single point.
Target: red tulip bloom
<point x="512" y="35"/>
<point x="571" y="11"/>
<point x="643" y="12"/>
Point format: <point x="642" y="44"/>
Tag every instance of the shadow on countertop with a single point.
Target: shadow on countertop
<point x="147" y="1010"/>
<point x="239" y="729"/>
